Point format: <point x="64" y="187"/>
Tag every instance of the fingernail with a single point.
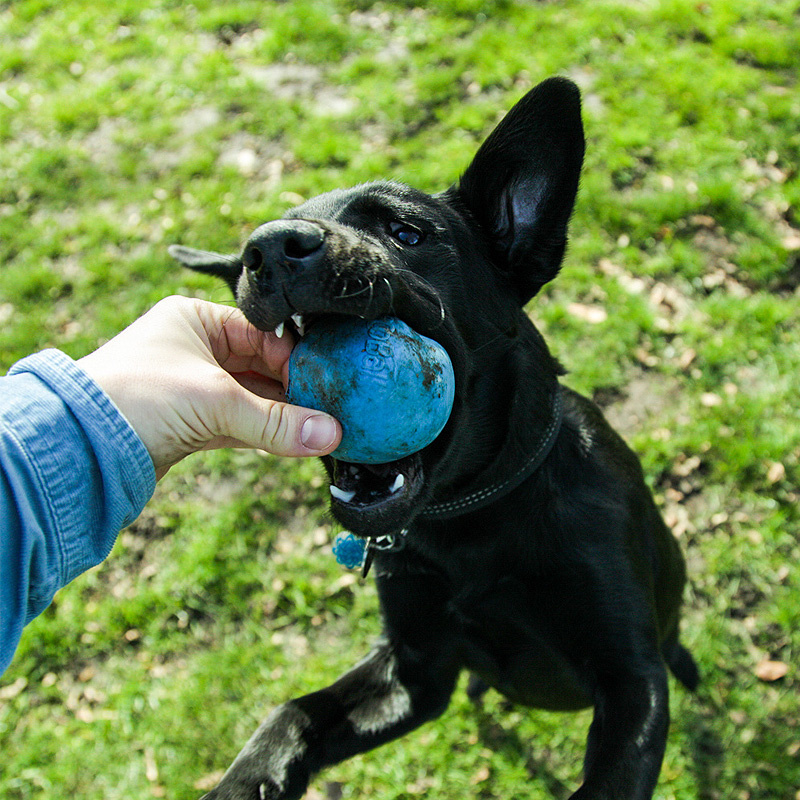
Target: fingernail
<point x="318" y="432"/>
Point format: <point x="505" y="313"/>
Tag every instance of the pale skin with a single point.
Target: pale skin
<point x="191" y="375"/>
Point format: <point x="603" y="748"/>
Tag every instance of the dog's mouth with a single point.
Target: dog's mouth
<point x="373" y="499"/>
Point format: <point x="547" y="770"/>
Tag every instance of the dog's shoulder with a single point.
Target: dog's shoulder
<point x="591" y="431"/>
<point x="597" y="476"/>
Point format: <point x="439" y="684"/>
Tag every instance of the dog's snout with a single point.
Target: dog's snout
<point x="295" y="244"/>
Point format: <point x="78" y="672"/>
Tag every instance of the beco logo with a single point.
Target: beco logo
<point x="378" y="358"/>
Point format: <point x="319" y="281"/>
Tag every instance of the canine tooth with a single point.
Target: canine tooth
<point x="298" y="320"/>
<point x="279" y="331"/>
<point x="341" y="494"/>
<point x="398" y="484"/>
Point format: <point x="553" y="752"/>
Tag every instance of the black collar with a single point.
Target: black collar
<point x="476" y="499"/>
<point x="489" y="494"/>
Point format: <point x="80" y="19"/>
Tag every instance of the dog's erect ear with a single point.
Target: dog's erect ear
<point x="226" y="267"/>
<point x="522" y="183"/>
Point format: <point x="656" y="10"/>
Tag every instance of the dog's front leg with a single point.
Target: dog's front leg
<point x="627" y="737"/>
<point x="389" y="693"/>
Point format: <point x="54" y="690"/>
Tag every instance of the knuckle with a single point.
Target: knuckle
<point x="278" y="425"/>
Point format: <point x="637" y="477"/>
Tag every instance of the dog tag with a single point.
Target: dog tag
<point x="352" y="551"/>
<point x="349" y="550"/>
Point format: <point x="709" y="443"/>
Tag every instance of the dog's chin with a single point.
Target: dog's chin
<point x="375" y="499"/>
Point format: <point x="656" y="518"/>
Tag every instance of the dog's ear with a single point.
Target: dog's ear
<point x="226" y="267"/>
<point x="522" y="183"/>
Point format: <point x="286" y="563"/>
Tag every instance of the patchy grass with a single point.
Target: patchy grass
<point x="124" y="128"/>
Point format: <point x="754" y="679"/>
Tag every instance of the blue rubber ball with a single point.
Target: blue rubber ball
<point x="391" y="388"/>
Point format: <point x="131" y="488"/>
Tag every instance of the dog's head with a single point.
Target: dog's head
<point x="457" y="267"/>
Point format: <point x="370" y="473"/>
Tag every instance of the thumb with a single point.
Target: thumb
<point x="281" y="428"/>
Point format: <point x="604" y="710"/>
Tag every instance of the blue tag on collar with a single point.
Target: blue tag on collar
<point x="349" y="550"/>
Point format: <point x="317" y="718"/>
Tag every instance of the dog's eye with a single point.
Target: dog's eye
<point x="406" y="234"/>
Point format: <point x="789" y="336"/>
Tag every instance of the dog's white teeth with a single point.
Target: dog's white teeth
<point x="398" y="484"/>
<point x="279" y="331"/>
<point x="298" y="321"/>
<point x="341" y="494"/>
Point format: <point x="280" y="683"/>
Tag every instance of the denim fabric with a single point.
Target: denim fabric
<point x="72" y="474"/>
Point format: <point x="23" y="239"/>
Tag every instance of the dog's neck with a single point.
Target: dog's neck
<point x="512" y="417"/>
<point x="491" y="490"/>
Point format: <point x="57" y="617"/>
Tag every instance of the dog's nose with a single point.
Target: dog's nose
<point x="296" y="244"/>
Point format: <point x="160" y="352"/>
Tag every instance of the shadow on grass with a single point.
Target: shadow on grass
<point x="705" y="722"/>
<point x="511" y="746"/>
<point x="752" y="760"/>
<point x="706" y="748"/>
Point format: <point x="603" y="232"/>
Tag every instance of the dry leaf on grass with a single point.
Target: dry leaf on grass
<point x="591" y="314"/>
<point x="209" y="781"/>
<point x="768" y="670"/>
<point x="776" y="472"/>
<point x="480" y="776"/>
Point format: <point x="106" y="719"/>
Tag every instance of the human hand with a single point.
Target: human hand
<point x="192" y="375"/>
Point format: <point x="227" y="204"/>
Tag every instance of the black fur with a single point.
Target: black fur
<point x="562" y="593"/>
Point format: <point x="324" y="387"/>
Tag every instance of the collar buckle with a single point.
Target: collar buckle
<point x="391" y="543"/>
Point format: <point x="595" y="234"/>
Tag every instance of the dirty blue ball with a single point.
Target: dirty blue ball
<point x="391" y="388"/>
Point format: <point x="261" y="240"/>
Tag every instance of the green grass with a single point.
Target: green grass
<point x="122" y="129"/>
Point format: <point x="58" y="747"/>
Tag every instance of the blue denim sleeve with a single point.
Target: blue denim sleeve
<point x="72" y="474"/>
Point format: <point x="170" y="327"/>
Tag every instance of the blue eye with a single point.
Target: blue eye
<point x="406" y="234"/>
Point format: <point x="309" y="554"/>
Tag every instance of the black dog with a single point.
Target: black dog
<point x="522" y="544"/>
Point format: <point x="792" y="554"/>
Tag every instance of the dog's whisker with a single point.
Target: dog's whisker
<point x="423" y="284"/>
<point x="344" y="295"/>
<point x="252" y="337"/>
<point x="391" y="291"/>
<point x="489" y="343"/>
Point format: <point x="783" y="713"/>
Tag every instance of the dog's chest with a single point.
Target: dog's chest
<point x="516" y="637"/>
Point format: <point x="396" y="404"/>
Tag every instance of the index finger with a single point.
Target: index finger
<point x="238" y="346"/>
